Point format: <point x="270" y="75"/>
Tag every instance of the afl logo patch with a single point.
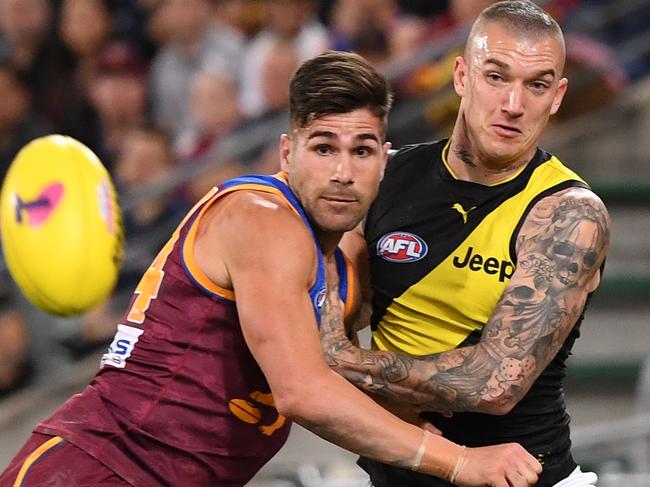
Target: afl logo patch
<point x="401" y="247"/>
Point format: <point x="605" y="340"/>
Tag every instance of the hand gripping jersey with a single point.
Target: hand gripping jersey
<point x="180" y="400"/>
<point x="442" y="252"/>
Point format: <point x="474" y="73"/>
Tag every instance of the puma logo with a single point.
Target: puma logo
<point x="459" y="208"/>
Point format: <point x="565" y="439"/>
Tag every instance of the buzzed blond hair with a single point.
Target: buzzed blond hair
<point x="521" y="18"/>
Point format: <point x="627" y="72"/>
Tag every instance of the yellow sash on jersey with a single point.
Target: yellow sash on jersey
<point x="458" y="296"/>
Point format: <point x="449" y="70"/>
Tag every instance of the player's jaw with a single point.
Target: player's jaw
<point x="334" y="166"/>
<point x="495" y="141"/>
<point x="338" y="209"/>
<point x="506" y="142"/>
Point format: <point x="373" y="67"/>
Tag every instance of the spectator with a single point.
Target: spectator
<point x="129" y="22"/>
<point x="28" y="42"/>
<point x="277" y="71"/>
<point x="291" y="22"/>
<point x="193" y="43"/>
<point x="14" y="349"/>
<point x="84" y="26"/>
<point x="245" y="16"/>
<point x="24" y="25"/>
<point x="597" y="76"/>
<point x="215" y="114"/>
<point x="146" y="158"/>
<point x="422" y="8"/>
<point x="119" y="98"/>
<point x="377" y="29"/>
<point x="433" y="79"/>
<point x="18" y="122"/>
<point x="437" y="74"/>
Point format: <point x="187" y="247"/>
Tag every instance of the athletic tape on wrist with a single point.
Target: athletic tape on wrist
<point x="420" y="453"/>
<point x="460" y="463"/>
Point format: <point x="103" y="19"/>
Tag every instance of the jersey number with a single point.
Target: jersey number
<point x="149" y="285"/>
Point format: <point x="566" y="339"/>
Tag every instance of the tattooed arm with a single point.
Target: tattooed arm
<point x="560" y="249"/>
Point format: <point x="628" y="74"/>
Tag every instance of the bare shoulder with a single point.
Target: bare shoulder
<point x="569" y="232"/>
<point x="254" y="214"/>
<point x="565" y="209"/>
<point x="253" y="230"/>
<point x="571" y="203"/>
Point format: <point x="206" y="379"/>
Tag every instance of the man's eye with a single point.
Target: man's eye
<point x="494" y="77"/>
<point x="539" y="85"/>
<point x="363" y="151"/>
<point x="323" y="149"/>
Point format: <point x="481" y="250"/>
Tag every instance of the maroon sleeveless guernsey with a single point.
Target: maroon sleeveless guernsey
<point x="179" y="399"/>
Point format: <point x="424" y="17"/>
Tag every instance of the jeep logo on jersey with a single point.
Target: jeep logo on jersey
<point x="401" y="247"/>
<point x="490" y="265"/>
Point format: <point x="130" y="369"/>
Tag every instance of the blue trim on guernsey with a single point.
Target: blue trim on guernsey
<point x="342" y="268"/>
<point x="201" y="286"/>
<point x="317" y="290"/>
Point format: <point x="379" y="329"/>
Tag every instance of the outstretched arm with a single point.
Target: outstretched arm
<point x="242" y="243"/>
<point x="560" y="249"/>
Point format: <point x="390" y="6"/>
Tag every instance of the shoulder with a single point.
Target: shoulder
<point x="553" y="165"/>
<point x="570" y="224"/>
<point x="572" y="202"/>
<point x="255" y="233"/>
<point x="255" y="212"/>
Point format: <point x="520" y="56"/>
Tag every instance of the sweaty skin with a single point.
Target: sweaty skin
<point x="510" y="86"/>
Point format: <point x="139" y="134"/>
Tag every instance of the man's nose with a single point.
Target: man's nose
<point x="514" y="103"/>
<point x="343" y="170"/>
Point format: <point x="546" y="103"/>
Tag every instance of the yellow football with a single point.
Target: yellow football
<point x="61" y="225"/>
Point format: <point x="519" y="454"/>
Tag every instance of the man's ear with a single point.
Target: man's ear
<point x="559" y="95"/>
<point x="460" y="75"/>
<point x="285" y="152"/>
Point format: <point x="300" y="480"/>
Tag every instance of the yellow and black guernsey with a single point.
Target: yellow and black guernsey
<point x="442" y="251"/>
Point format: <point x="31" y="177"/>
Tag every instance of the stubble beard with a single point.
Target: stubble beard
<point x="329" y="221"/>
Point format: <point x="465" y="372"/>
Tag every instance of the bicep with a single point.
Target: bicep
<point x="280" y="329"/>
<point x="560" y="249"/>
<point x="270" y="276"/>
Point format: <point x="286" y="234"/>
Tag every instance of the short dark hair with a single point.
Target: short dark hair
<point x="522" y="16"/>
<point x="337" y="82"/>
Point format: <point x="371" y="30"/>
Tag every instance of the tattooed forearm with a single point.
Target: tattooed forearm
<point x="372" y="371"/>
<point x="560" y="249"/>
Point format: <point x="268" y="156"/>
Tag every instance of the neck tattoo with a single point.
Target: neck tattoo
<point x="464" y="155"/>
<point x="510" y="168"/>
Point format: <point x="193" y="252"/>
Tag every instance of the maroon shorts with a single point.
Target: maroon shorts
<point x="51" y="461"/>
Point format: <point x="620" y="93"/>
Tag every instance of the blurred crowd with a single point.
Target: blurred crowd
<point x="153" y="86"/>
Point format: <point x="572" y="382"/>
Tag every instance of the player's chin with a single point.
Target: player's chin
<point x="339" y="222"/>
